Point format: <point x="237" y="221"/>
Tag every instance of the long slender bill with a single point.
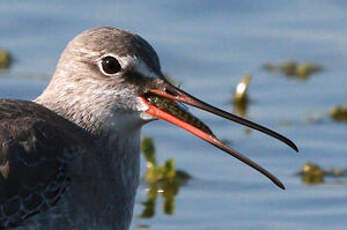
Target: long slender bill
<point x="161" y="105"/>
<point x="176" y="94"/>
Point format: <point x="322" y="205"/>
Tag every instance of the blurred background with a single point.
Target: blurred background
<point x="296" y="53"/>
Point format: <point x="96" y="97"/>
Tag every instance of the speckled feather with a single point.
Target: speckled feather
<point x="79" y="140"/>
<point x="36" y="146"/>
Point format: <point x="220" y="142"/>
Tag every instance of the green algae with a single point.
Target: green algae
<point x="294" y="69"/>
<point x="5" y="59"/>
<point x="162" y="180"/>
<point x="338" y="113"/>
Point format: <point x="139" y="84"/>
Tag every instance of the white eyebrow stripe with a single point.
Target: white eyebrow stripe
<point x="136" y="63"/>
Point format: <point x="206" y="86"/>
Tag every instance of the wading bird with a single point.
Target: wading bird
<point x="70" y="158"/>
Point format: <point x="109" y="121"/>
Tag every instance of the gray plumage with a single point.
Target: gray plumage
<point x="70" y="159"/>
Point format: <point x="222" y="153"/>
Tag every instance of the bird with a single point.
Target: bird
<point x="70" y="158"/>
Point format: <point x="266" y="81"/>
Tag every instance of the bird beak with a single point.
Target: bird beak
<point x="161" y="104"/>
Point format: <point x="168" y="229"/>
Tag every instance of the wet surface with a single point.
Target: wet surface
<point x="209" y="47"/>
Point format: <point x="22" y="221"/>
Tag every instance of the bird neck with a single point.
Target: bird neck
<point x="115" y="132"/>
<point x="105" y="186"/>
<point x="72" y="106"/>
<point x="105" y="182"/>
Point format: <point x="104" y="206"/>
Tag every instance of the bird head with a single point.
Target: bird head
<point x="115" y="76"/>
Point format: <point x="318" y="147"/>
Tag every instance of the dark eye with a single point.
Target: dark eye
<point x="110" y="65"/>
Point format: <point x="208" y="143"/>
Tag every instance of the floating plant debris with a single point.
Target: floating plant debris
<point x="336" y="172"/>
<point x="338" y="113"/>
<point x="161" y="179"/>
<point x="313" y="174"/>
<point x="241" y="99"/>
<point x="5" y="59"/>
<point x="288" y="68"/>
<point x="306" y="69"/>
<point x="148" y="150"/>
<point x="294" y="69"/>
<point x="240" y="95"/>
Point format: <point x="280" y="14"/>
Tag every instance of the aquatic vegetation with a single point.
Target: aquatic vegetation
<point x="306" y="69"/>
<point x="240" y="98"/>
<point x="288" y="68"/>
<point x="240" y="95"/>
<point x="5" y="59"/>
<point x="313" y="174"/>
<point x="148" y="150"/>
<point x="338" y="113"/>
<point x="162" y="180"/>
<point x="294" y="69"/>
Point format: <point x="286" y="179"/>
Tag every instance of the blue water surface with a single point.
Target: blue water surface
<point x="209" y="46"/>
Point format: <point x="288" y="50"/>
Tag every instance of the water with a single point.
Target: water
<point x="209" y="47"/>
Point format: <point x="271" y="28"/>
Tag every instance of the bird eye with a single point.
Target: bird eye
<point x="110" y="65"/>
